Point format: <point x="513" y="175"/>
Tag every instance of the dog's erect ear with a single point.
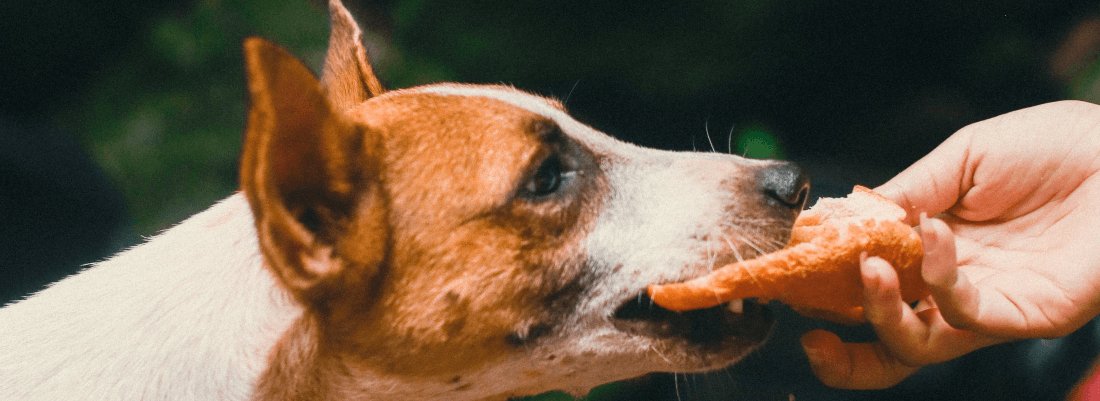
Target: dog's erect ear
<point x="348" y="77"/>
<point x="308" y="173"/>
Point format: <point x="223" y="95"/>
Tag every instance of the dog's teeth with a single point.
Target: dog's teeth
<point x="736" y="306"/>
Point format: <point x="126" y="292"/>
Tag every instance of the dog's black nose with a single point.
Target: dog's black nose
<point x="785" y="183"/>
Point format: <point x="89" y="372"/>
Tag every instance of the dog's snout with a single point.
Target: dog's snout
<point x="786" y="184"/>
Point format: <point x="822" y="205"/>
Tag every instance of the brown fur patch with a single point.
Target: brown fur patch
<point x="471" y="263"/>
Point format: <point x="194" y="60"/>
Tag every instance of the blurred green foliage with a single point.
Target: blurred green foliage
<point x="852" y="84"/>
<point x="1086" y="84"/>
<point x="757" y="142"/>
<point x="165" y="120"/>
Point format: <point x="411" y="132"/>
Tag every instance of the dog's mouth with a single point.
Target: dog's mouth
<point x="738" y="323"/>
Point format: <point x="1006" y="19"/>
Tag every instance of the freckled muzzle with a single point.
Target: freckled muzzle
<point x="762" y="207"/>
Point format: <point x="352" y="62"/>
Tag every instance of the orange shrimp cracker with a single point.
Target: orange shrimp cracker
<point x="817" y="274"/>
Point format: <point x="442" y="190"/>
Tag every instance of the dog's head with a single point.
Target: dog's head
<point x="478" y="240"/>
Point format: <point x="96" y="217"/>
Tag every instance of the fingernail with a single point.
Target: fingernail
<point x="872" y="276"/>
<point x="814" y="353"/>
<point x="927" y="232"/>
<point x="868" y="267"/>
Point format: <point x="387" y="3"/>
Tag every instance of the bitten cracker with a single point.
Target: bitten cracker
<point x="817" y="274"/>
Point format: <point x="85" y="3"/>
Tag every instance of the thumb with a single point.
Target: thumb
<point x="934" y="183"/>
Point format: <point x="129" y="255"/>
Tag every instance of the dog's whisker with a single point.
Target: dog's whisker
<point x="769" y="221"/>
<point x="751" y="276"/>
<point x="729" y="375"/>
<point x="706" y="128"/>
<point x="712" y="256"/>
<point x="676" y="385"/>
<point x="659" y="354"/>
<point x="754" y="241"/>
<point x="711" y="379"/>
<point x="729" y="140"/>
<point x="736" y="252"/>
<point x="751" y="244"/>
<point x="757" y="223"/>
<point x="749" y="241"/>
<point x="569" y="95"/>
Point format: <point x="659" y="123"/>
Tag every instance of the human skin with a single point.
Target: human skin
<point x="1011" y="253"/>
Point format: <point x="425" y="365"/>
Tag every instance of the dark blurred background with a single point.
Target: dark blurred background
<point x="120" y="118"/>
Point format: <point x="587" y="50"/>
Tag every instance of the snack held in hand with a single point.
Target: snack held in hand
<point x="817" y="274"/>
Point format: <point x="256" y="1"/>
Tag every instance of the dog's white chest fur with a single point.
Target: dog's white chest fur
<point x="190" y="315"/>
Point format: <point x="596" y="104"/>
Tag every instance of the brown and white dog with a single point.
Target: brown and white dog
<point x="447" y="242"/>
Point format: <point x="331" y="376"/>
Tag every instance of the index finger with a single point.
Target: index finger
<point x="934" y="183"/>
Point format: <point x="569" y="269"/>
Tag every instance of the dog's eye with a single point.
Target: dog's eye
<point x="547" y="179"/>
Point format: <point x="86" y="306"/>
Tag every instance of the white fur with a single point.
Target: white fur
<point x="190" y="315"/>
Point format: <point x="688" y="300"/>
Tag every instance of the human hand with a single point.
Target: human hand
<point x="1011" y="255"/>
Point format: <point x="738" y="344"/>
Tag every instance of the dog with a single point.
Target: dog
<point x="443" y="242"/>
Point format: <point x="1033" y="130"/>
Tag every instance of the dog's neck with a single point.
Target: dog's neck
<point x="192" y="314"/>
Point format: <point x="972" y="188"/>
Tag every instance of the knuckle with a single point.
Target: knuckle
<point x="915" y="358"/>
<point x="958" y="320"/>
<point x="881" y="317"/>
<point x="906" y="353"/>
<point x="1056" y="331"/>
